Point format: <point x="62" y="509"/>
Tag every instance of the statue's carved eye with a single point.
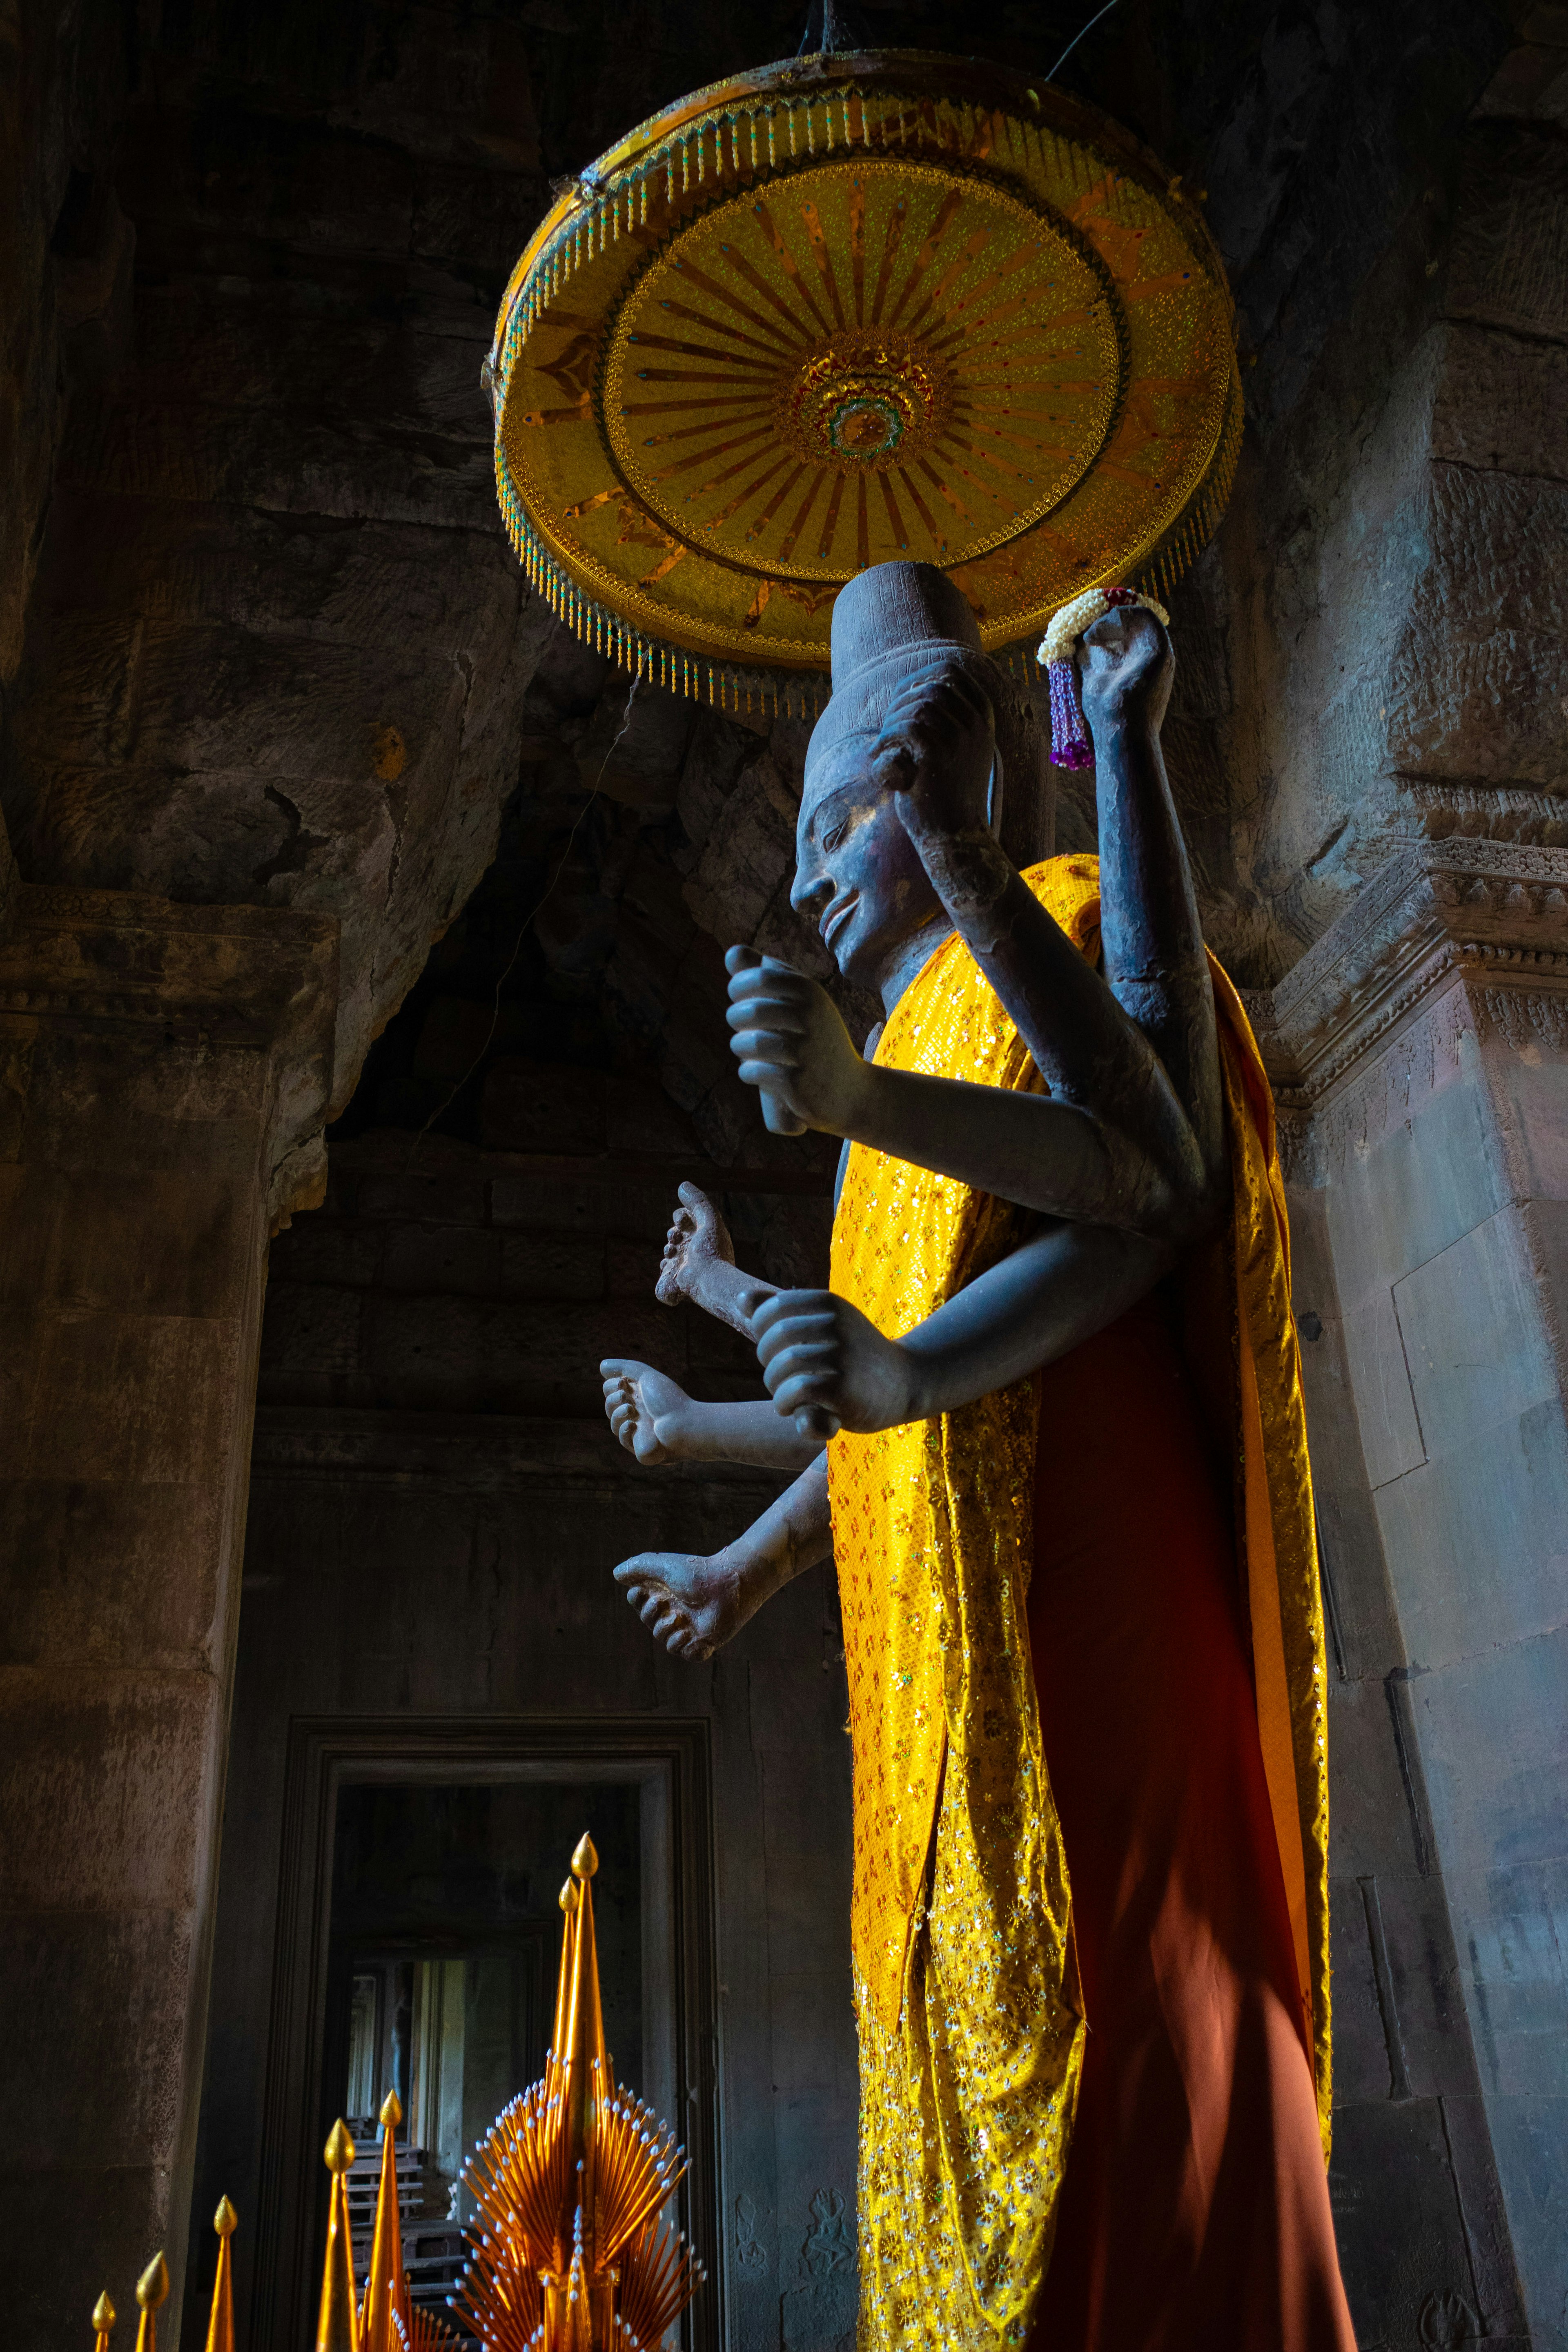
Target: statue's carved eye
<point x="833" y="836"/>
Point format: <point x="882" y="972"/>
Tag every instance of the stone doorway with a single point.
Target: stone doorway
<point x="418" y="1932"/>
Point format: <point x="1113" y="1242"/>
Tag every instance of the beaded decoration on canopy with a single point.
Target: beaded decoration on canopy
<point x="863" y="306"/>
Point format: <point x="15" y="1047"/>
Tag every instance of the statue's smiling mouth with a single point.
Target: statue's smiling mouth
<point x="838" y="916"/>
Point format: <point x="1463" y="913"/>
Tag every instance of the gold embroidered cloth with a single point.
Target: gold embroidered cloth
<point x="965" y="1992"/>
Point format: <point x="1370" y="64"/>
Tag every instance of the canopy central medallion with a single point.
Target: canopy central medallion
<point x="859" y="306"/>
<point x="802" y="427"/>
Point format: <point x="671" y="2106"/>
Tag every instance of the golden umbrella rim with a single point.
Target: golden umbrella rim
<point x="824" y="100"/>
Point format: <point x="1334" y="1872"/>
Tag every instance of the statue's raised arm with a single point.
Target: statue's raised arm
<point x="906" y="834"/>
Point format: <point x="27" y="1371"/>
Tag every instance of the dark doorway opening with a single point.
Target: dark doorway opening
<point x="418" y="1945"/>
<point x="444" y="1940"/>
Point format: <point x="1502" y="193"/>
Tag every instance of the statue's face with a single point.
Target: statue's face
<point x="858" y="875"/>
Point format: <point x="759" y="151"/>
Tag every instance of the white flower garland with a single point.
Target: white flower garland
<point x="1068" y="624"/>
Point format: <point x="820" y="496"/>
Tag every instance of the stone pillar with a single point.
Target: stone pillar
<point x="157" y="1062"/>
<point x="1420" y="1051"/>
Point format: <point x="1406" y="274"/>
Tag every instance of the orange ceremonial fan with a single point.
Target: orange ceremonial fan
<point x="424" y="2331"/>
<point x="571" y="2182"/>
<point x="865" y="306"/>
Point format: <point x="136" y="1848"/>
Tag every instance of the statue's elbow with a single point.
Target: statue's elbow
<point x="1187" y="1208"/>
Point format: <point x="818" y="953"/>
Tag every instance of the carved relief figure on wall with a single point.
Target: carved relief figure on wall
<point x="1047" y="1420"/>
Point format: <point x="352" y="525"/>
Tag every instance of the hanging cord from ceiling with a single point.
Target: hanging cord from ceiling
<point x="830" y="26"/>
<point x="1078" y="37"/>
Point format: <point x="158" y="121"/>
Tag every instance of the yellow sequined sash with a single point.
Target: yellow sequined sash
<point x="960" y="1918"/>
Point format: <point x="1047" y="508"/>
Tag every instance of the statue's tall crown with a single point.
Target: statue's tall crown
<point x="892" y="608"/>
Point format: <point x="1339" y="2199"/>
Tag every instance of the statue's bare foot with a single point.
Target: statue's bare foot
<point x="697" y="1239"/>
<point x="638" y="1401"/>
<point x="689" y="1602"/>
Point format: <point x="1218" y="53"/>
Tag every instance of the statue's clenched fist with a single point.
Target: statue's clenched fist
<point x="818" y="1351"/>
<point x="787" y="1037"/>
<point x="936" y="753"/>
<point x="1125" y="669"/>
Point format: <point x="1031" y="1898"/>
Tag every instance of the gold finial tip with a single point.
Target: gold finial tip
<point x="103" y="2315"/>
<point x="153" y="2286"/>
<point x="339" y="2152"/>
<point x="391" y="2110"/>
<point x="585" y="1861"/>
<point x="570" y="1899"/>
<point x="226" y="2221"/>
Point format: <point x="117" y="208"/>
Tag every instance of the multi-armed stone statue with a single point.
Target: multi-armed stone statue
<point x="1048" y="1418"/>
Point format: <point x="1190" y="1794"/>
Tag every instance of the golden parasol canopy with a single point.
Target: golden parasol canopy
<point x="862" y="306"/>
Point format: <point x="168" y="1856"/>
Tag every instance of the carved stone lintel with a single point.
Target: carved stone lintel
<point x="1496" y="912"/>
<point x="1453" y="936"/>
<point x="258" y="980"/>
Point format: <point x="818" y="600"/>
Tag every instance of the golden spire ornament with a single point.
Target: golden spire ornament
<point x="386" y="2289"/>
<point x="103" y="2318"/>
<point x="860" y="307"/>
<point x="569" y="1900"/>
<point x="572" y="2253"/>
<point x="151" y="2293"/>
<point x="220" y="2324"/>
<point x="337" y="2328"/>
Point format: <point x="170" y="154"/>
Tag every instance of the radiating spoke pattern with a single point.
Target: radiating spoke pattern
<point x="860" y="365"/>
<point x="842" y="311"/>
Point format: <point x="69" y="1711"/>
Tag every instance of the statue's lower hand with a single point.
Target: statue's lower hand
<point x="789" y="1041"/>
<point x="689" y="1602"/>
<point x="644" y="1408"/>
<point x="1125" y="670"/>
<point x="816" y="1349"/>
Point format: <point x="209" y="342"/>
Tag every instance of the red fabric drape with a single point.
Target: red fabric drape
<point x="1195" y="2212"/>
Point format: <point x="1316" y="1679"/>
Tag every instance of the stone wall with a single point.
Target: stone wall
<point x="1419" y="1052"/>
<point x="1377" y="636"/>
<point x="148" y="1052"/>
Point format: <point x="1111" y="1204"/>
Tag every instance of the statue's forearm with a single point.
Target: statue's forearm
<point x="1156" y="1176"/>
<point x="1058" y="1289"/>
<point x="750" y="1433"/>
<point x="1151" y="935"/>
<point x="1130" y="1162"/>
<point x="1079" y="1038"/>
<point x="791" y="1535"/>
<point x="788" y="1539"/>
<point x="722" y="1291"/>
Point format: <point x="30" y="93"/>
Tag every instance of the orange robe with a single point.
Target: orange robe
<point x="975" y="1564"/>
<point x="1194" y="2212"/>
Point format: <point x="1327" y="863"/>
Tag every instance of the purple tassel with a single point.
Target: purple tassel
<point x="1070" y="746"/>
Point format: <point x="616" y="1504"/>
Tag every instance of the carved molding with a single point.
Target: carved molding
<point x="1494" y="912"/>
<point x="246" y="976"/>
<point x="150" y="973"/>
<point x="1439" y="811"/>
<point x="1452" y="937"/>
